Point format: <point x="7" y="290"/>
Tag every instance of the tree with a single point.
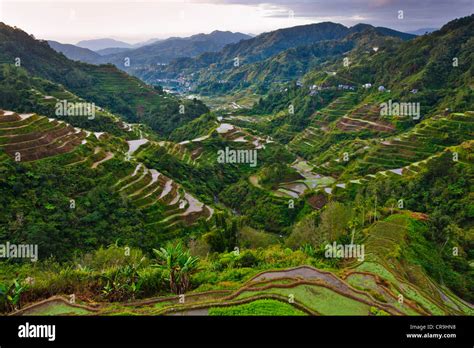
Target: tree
<point x="305" y="233"/>
<point x="334" y="221"/>
<point x="224" y="236"/>
<point x="391" y="204"/>
<point x="179" y="264"/>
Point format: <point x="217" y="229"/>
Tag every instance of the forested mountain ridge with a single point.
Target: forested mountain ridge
<point x="104" y="85"/>
<point x="164" y="51"/>
<point x="155" y="52"/>
<point x="273" y="72"/>
<point x="435" y="66"/>
<point x="434" y="71"/>
<point x="261" y="48"/>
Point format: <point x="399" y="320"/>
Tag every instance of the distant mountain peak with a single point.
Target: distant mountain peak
<point x="74" y="52"/>
<point x="423" y="31"/>
<point x="100" y="44"/>
<point x="361" y="26"/>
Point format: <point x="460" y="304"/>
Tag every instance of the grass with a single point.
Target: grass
<point x="385" y="241"/>
<point x="257" y="308"/>
<point x="319" y="299"/>
<point x="426" y="139"/>
<point x="363" y="283"/>
<point x="422" y="300"/>
<point x="57" y="308"/>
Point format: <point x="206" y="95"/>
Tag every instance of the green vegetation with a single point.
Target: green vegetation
<point x="257" y="308"/>
<point x="58" y="309"/>
<point x="320" y="300"/>
<point x="132" y="209"/>
<point x="104" y="85"/>
<point x="178" y="264"/>
<point x="10" y="296"/>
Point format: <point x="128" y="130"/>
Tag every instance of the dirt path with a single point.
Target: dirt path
<point x="107" y="157"/>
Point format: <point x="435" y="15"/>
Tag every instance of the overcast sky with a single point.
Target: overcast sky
<point x="136" y="20"/>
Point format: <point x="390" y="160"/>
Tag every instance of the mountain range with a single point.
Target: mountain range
<point x="150" y="52"/>
<point x="75" y="52"/>
<point x="220" y="65"/>
<point x="216" y="53"/>
<point x="124" y="94"/>
<point x="146" y="172"/>
<point x="423" y="31"/>
<point x="100" y="44"/>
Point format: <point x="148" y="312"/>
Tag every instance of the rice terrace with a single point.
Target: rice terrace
<point x="286" y="166"/>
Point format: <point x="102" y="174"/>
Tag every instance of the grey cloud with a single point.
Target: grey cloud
<point x="417" y="14"/>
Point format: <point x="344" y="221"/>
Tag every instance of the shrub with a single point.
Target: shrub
<point x="112" y="256"/>
<point x="246" y="259"/>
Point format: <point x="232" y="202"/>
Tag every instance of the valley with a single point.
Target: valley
<point x="219" y="199"/>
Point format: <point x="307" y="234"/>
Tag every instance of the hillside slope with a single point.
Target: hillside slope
<point x="164" y="51"/>
<point x="260" y="48"/>
<point x="104" y="85"/>
<point x="74" y="52"/>
<point x="102" y="177"/>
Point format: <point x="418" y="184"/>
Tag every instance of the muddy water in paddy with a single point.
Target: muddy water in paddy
<point x="306" y="273"/>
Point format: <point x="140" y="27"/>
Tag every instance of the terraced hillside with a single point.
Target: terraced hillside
<point x="104" y="85"/>
<point x="43" y="97"/>
<point x="425" y="140"/>
<point x="368" y="289"/>
<point x="162" y="207"/>
<point x="308" y="141"/>
<point x="365" y="117"/>
<point x="166" y="205"/>
<point x="404" y="154"/>
<point x="29" y="137"/>
<point x="200" y="155"/>
<point x="385" y="239"/>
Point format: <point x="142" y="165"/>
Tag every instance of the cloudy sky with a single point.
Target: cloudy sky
<point x="137" y="20"/>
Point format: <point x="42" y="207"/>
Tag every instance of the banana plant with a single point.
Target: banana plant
<point x="123" y="283"/>
<point x="179" y="264"/>
<point x="10" y="295"/>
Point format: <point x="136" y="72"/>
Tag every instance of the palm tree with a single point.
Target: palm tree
<point x="179" y="264"/>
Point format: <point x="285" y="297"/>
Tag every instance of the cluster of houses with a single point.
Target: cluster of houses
<point x="346" y="87"/>
<point x="314" y="89"/>
<point x="383" y="89"/>
<point x="379" y="88"/>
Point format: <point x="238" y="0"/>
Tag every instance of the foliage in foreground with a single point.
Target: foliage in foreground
<point x="178" y="264"/>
